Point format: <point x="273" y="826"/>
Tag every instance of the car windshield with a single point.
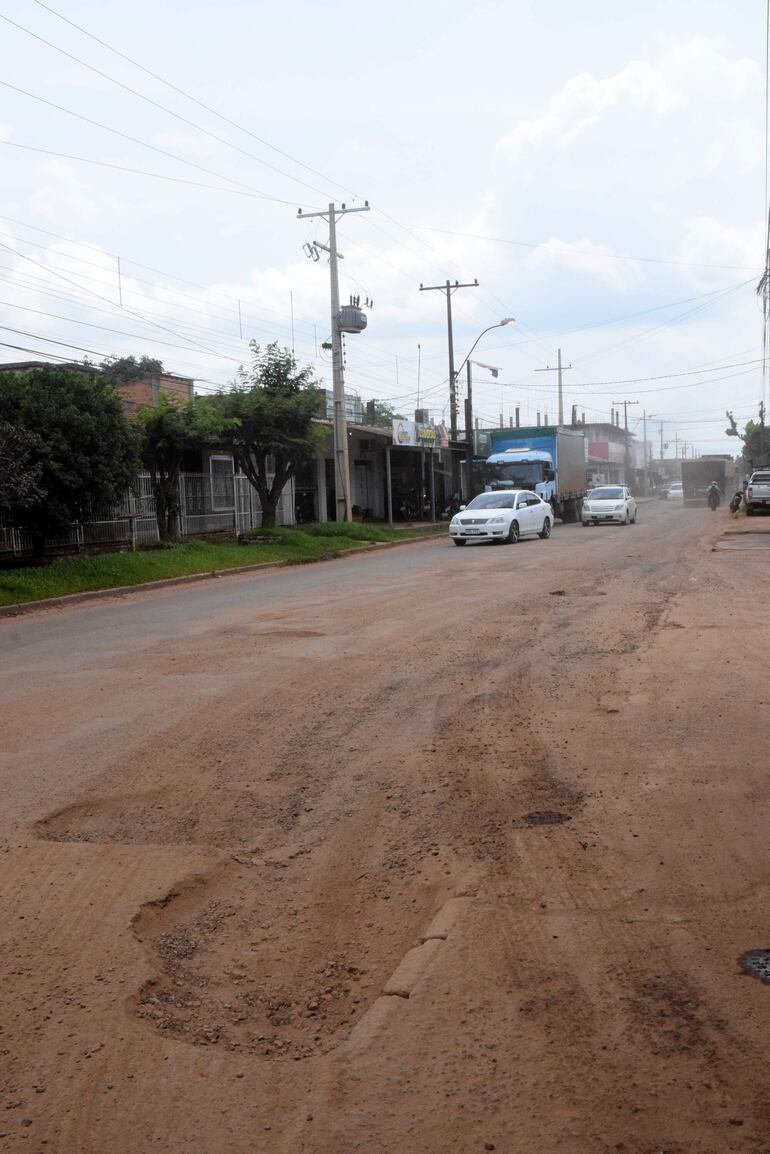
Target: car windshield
<point x="492" y="501"/>
<point x="605" y="494"/>
<point x="761" y="478"/>
<point x="677" y="485"/>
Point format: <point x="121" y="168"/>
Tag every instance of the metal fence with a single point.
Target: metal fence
<point x="207" y="505"/>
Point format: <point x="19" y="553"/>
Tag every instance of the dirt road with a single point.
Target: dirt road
<point x="430" y="851"/>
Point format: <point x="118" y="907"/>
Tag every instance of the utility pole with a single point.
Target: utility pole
<point x="560" y="368"/>
<point x="448" y="288"/>
<point x="625" y="405"/>
<point x="646" y="458"/>
<point x="341" y="454"/>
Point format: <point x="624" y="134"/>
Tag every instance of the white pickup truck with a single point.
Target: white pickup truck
<point x="758" y="491"/>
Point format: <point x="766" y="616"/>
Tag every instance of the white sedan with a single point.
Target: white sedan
<point x="506" y="515"/>
<point x="609" y="503"/>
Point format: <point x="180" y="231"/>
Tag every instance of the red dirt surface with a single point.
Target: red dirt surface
<point x="435" y="853"/>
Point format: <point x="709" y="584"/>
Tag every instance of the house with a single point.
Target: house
<point x="145" y="392"/>
<point x="140" y="393"/>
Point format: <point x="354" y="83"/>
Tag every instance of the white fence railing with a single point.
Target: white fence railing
<point x="206" y="506"/>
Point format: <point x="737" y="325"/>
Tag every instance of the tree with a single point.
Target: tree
<point x="381" y="414"/>
<point x="20" y="468"/>
<point x="273" y="406"/>
<point x="167" y="432"/>
<point x="754" y="437"/>
<point x="120" y="370"/>
<point x="84" y="447"/>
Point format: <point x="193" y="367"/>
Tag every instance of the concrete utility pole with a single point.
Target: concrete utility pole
<point x="560" y="368"/>
<point x="450" y="288"/>
<point x="341" y="455"/>
<point x="625" y="405"/>
<point x="646" y="461"/>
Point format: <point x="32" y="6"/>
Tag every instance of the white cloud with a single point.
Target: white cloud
<point x="586" y="256"/>
<point x="691" y="87"/>
<point x="708" y="241"/>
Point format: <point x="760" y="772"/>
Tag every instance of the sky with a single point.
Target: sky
<point x="599" y="168"/>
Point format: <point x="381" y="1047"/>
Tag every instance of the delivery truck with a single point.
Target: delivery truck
<point x="549" y="460"/>
<point x="697" y="476"/>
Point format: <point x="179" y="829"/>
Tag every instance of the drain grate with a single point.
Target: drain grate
<point x="756" y="963"/>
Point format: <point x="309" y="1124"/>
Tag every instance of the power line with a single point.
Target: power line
<point x="201" y="104"/>
<point x="52" y="341"/>
<point x="177" y="116"/>
<point x="143" y="143"/>
<point x="227" y="120"/>
<point x="143" y="172"/>
<point x="570" y="249"/>
<point x="154" y="103"/>
<point x="714" y="297"/>
<point x="146" y="320"/>
<point x="668" y="376"/>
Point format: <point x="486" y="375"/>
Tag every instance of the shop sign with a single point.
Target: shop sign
<point x="415" y="435"/>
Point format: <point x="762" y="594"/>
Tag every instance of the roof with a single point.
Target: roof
<point x="367" y="430"/>
<point x="24" y="366"/>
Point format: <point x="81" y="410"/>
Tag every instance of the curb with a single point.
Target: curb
<point x="20" y="608"/>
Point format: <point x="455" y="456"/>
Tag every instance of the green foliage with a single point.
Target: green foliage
<point x="353" y="530"/>
<point x="110" y="570"/>
<point x="382" y="414"/>
<point x="120" y="370"/>
<point x="20" y="468"/>
<point x="167" y="432"/>
<point x="755" y="437"/>
<point x="84" y="447"/>
<point x="272" y="407"/>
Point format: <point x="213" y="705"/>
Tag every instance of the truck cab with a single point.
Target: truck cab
<point x="522" y="468"/>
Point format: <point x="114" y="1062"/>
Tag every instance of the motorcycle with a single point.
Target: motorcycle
<point x="736" y="502"/>
<point x="713" y="499"/>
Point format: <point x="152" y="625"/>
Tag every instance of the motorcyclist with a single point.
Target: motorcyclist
<point x="714" y="495"/>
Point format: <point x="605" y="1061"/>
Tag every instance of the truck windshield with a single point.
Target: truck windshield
<point x="516" y="475"/>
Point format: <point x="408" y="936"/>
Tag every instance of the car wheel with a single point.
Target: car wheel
<point x="633" y="519"/>
<point x="586" y="524"/>
<point x="513" y="533"/>
<point x="749" y="511"/>
<point x="626" y="520"/>
<point x="545" y="532"/>
<point x="459" y="541"/>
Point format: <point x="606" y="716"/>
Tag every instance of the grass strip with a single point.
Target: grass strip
<point x="194" y="555"/>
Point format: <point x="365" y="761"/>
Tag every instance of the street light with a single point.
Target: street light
<point x="469" y="399"/>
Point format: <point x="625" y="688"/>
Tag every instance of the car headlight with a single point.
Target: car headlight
<point x="454" y="523"/>
<point x="618" y="508"/>
<point x="496" y="520"/>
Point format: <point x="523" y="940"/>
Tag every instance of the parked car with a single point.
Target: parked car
<point x="502" y="516"/>
<point x="674" y="492"/>
<point x="757" y="492"/>
<point x="609" y="503"/>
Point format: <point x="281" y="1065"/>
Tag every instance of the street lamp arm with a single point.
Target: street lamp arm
<point x="499" y="325"/>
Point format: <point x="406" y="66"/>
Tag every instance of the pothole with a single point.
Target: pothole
<point x="756" y="963"/>
<point x="128" y="820"/>
<point x="258" y="962"/>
